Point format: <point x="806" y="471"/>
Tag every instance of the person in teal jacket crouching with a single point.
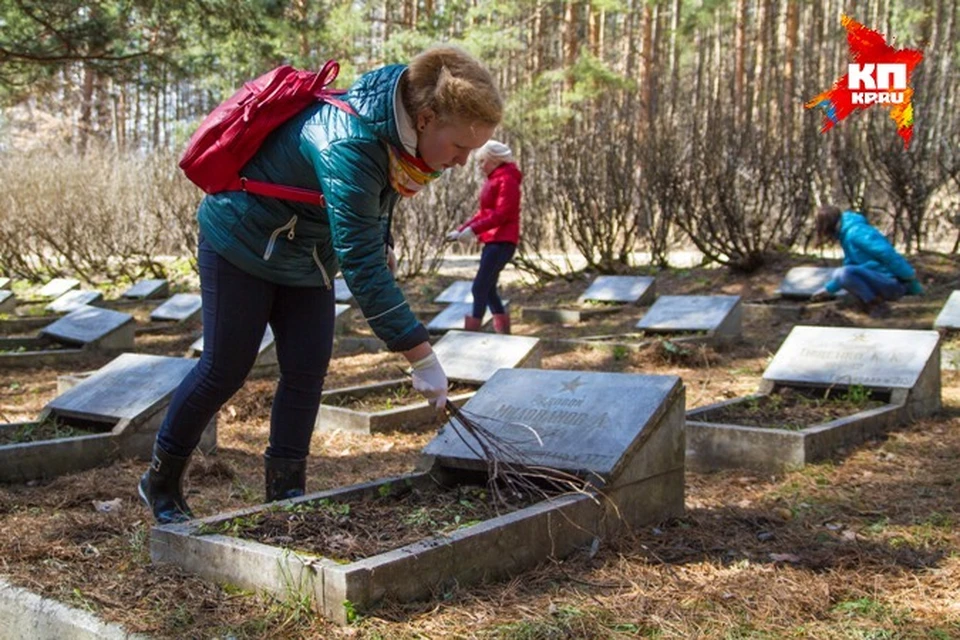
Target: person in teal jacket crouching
<point x="872" y="272"/>
<point x="270" y="261"/>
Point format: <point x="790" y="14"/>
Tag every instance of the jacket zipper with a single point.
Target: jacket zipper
<point x="291" y="234"/>
<point x="323" y="272"/>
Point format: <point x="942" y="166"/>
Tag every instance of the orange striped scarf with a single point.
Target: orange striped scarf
<point x="409" y="174"/>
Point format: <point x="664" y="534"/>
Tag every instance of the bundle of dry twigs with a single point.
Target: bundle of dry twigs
<point x="510" y="474"/>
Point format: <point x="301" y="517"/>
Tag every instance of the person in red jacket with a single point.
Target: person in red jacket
<point x="497" y="226"/>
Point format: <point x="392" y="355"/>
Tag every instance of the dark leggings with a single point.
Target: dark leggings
<point x="236" y="309"/>
<point x="493" y="259"/>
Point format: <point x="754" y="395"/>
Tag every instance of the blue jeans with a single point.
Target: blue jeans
<point x="868" y="285"/>
<point x="236" y="309"/>
<point x="493" y="259"/>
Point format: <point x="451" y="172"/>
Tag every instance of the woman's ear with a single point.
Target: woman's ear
<point x="424" y="118"/>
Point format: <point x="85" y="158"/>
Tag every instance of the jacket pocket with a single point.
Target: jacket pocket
<point x="289" y="227"/>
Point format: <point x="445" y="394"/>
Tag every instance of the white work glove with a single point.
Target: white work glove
<point x="430" y="380"/>
<point x="452" y="236"/>
<point x="391" y="260"/>
<point x="820" y="295"/>
<point x="467" y="236"/>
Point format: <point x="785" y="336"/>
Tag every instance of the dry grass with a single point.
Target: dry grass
<point x="863" y="546"/>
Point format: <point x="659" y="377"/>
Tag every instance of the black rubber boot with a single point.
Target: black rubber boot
<point x="285" y="478"/>
<point x="161" y="487"/>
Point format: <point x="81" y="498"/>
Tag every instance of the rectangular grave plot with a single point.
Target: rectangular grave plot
<point x="495" y="548"/>
<point x="458" y="292"/>
<point x="452" y="318"/>
<point x="715" y="442"/>
<point x="801" y="282"/>
<point x="93" y="327"/>
<point x="382" y="407"/>
<point x="73" y="300"/>
<point x="147" y="289"/>
<point x="473" y="357"/>
<point x="36" y="352"/>
<point x="638" y="290"/>
<point x="569" y="316"/>
<point x="57" y="287"/>
<point x="719" y="316"/>
<point x="182" y="308"/>
<point x="40" y="450"/>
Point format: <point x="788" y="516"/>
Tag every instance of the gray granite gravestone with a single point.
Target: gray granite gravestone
<point x="4" y="283"/>
<point x="8" y="301"/>
<point x="717" y="315"/>
<point x="341" y="291"/>
<point x="638" y="290"/>
<point x="469" y="356"/>
<point x="129" y="396"/>
<point x="900" y="368"/>
<point x="146" y="289"/>
<point x="93" y="326"/>
<point x="949" y="316"/>
<point x="459" y="291"/>
<point x="73" y="300"/>
<point x="452" y="317"/>
<point x="57" y="287"/>
<point x="179" y="308"/>
<point x="266" y="352"/>
<point x="622" y="432"/>
<point x="803" y="282"/>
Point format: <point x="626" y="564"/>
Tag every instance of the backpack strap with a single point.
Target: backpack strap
<point x="298" y="194"/>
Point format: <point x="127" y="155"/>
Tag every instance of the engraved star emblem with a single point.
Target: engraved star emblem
<point x="571" y="385"/>
<point x="859" y="337"/>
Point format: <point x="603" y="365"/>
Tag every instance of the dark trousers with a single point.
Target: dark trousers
<point x="236" y="309"/>
<point x="493" y="259"/>
<point x="868" y="285"/>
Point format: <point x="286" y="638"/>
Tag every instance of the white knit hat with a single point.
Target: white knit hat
<point x="495" y="149"/>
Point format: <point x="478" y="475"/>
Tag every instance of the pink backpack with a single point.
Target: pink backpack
<point x="231" y="134"/>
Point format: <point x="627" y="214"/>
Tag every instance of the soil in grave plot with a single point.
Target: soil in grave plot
<point x="401" y="395"/>
<point x="50" y="429"/>
<point x="795" y="409"/>
<point x="354" y="528"/>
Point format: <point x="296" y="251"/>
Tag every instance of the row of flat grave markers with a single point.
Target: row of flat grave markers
<point x="71" y="338"/>
<point x="898" y="369"/>
<point x="948" y="324"/>
<point x="469" y="360"/>
<point x="631" y="453"/>
<point x="117" y="409"/>
<point x="181" y="308"/>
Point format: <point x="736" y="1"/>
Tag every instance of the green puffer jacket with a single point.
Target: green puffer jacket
<point x="302" y="245"/>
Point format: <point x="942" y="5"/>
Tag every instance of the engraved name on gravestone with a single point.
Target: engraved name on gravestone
<point x="627" y="289"/>
<point x="86" y="325"/>
<point x="127" y="387"/>
<point x="803" y="282"/>
<point x="949" y="316"/>
<point x="688" y="313"/>
<point x="57" y="287"/>
<point x="180" y="307"/>
<point x="73" y="300"/>
<point x="474" y="357"/>
<point x="583" y="421"/>
<point x="147" y="289"/>
<point x="886" y="358"/>
<point x="8" y="301"/>
<point x="459" y="291"/>
<point x="341" y="292"/>
<point x="452" y="317"/>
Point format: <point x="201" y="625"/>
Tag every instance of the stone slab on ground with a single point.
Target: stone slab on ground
<point x="949" y="316"/>
<point x="57" y="287"/>
<point x="147" y="289"/>
<point x="900" y="366"/>
<point x="4" y="283"/>
<point x="717" y="315"/>
<point x="180" y="307"/>
<point x="8" y="301"/>
<point x="341" y="291"/>
<point x="639" y="290"/>
<point x="469" y="356"/>
<point x="266" y="361"/>
<point x="105" y="329"/>
<point x="452" y="317"/>
<point x="802" y="282"/>
<point x="73" y="300"/>
<point x="122" y="404"/>
<point x="459" y="291"/>
<point x="636" y="456"/>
